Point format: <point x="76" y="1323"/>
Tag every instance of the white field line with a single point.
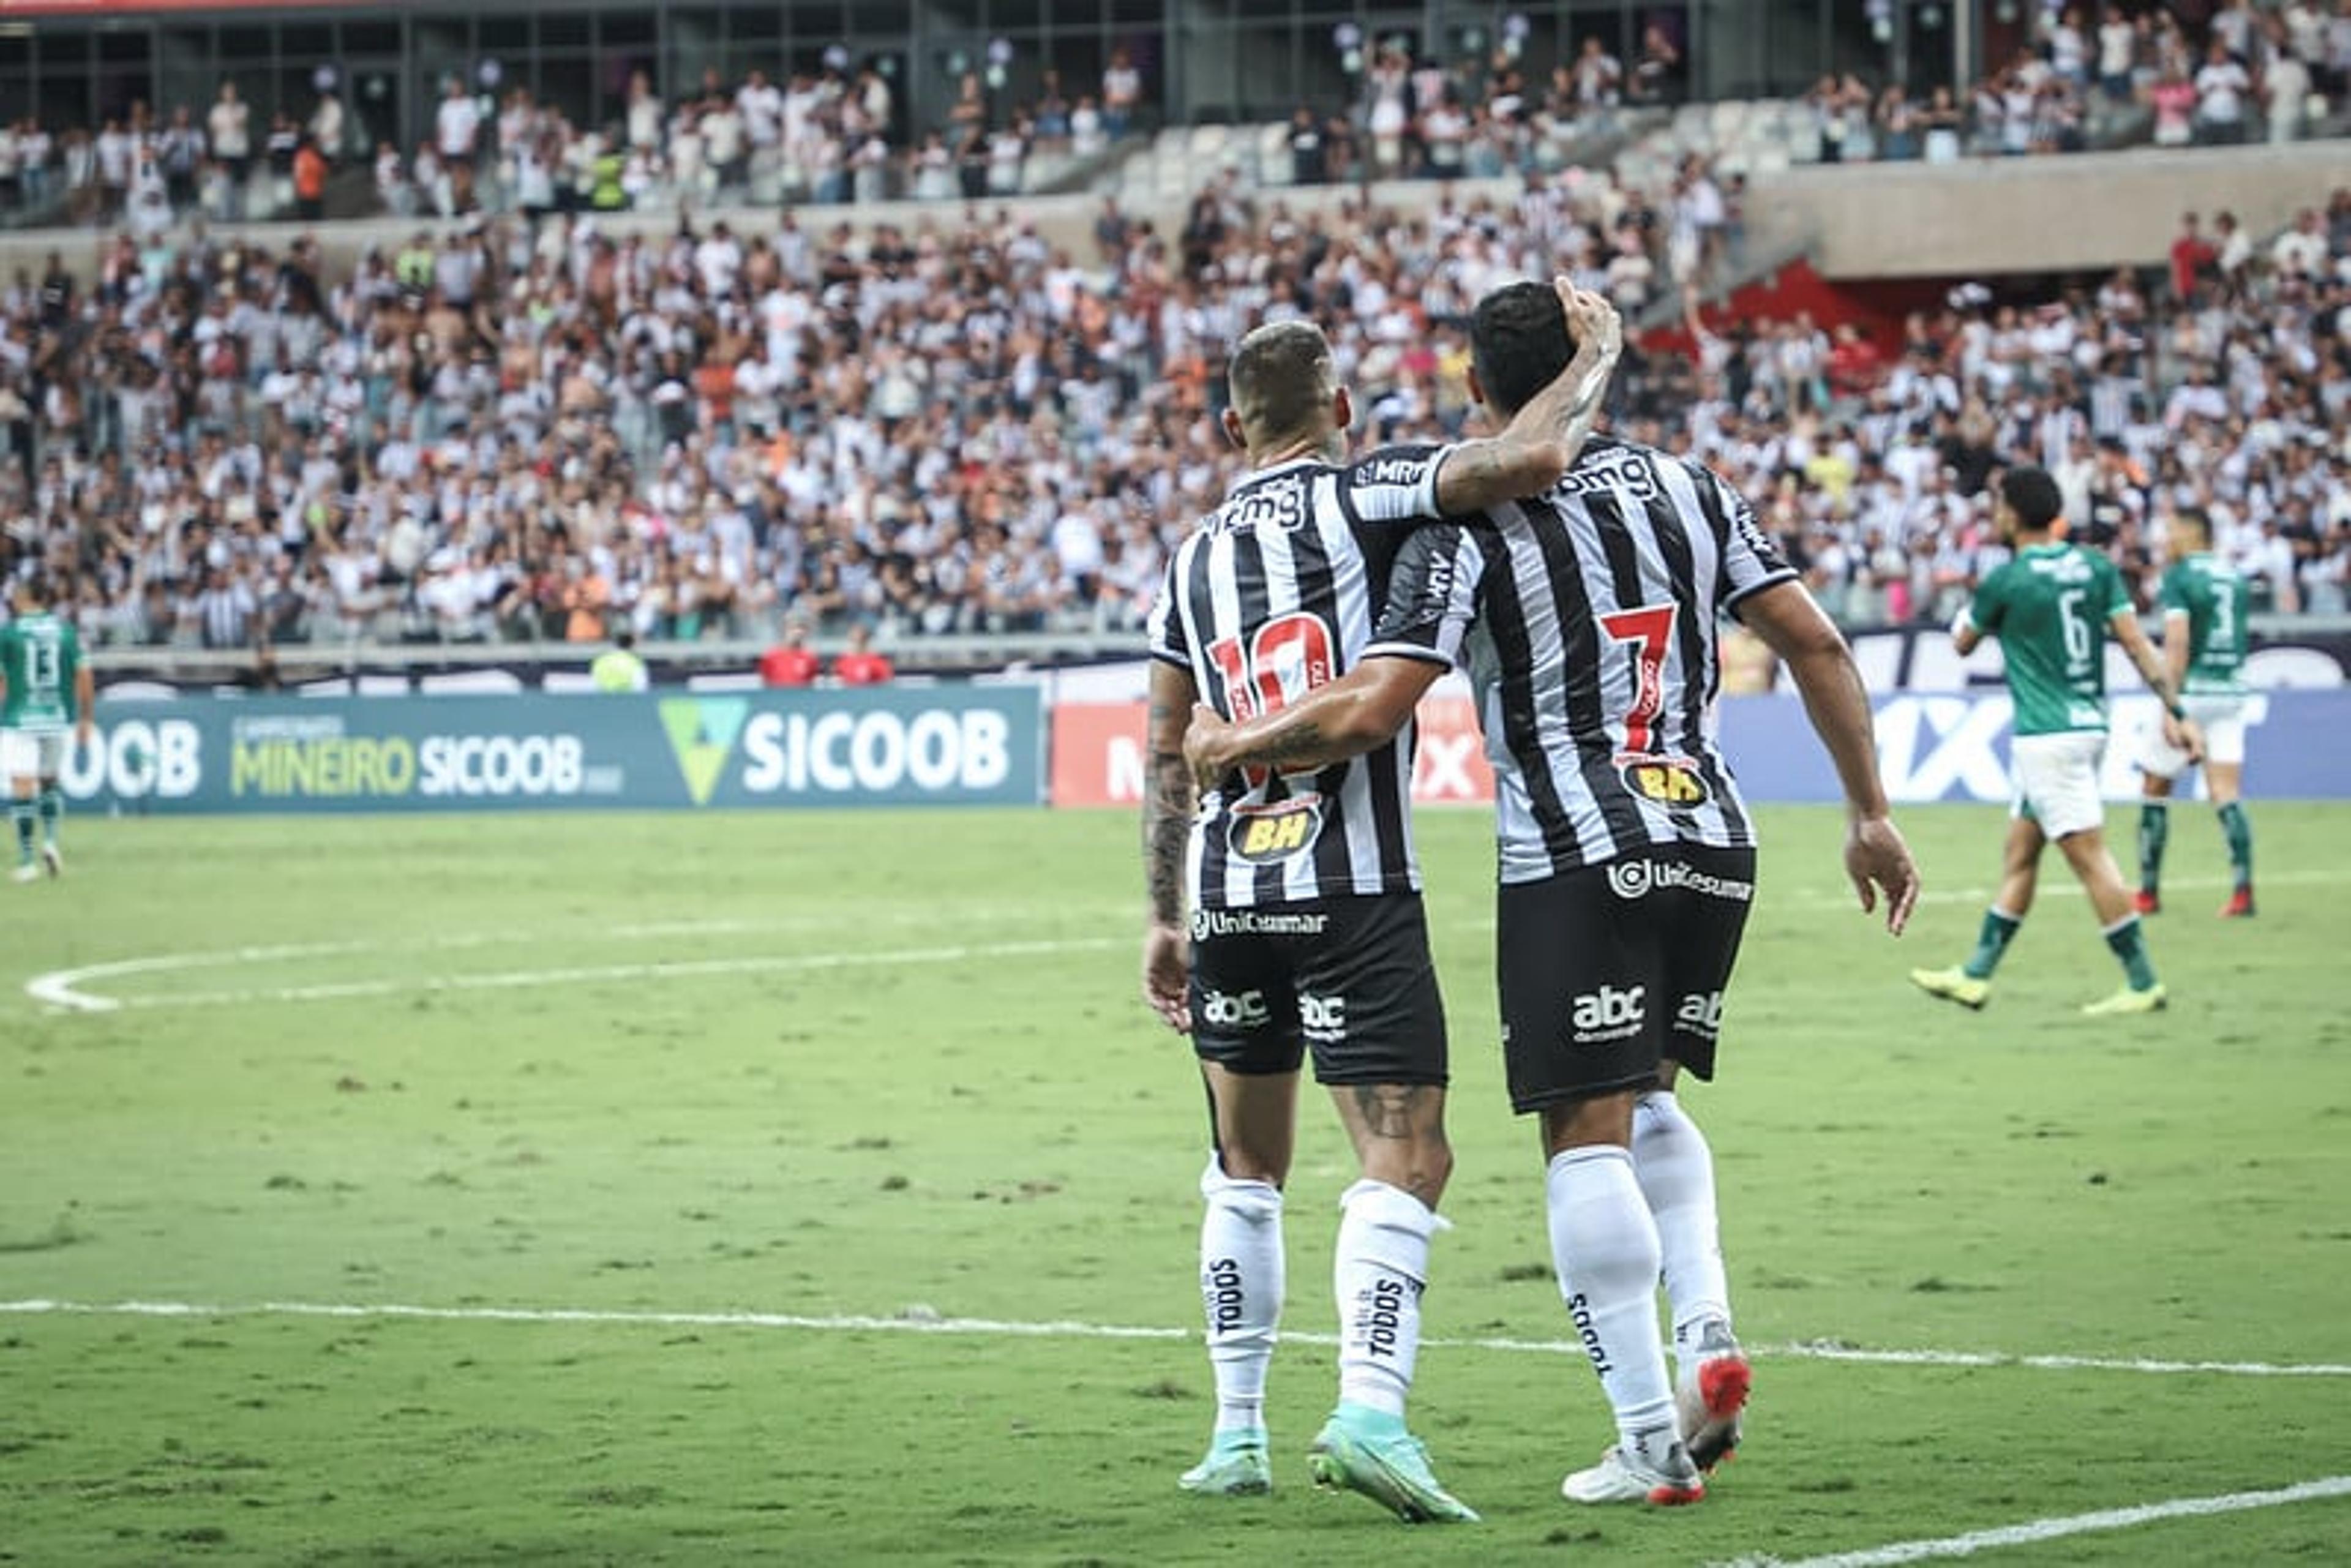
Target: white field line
<point x="922" y="1321"/>
<point x="60" y="988"/>
<point x="64" y="987"/>
<point x="2033" y="1532"/>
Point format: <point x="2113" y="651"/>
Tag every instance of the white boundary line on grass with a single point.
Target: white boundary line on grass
<point x="61" y="988"/>
<point x="920" y="1321"/>
<point x="2033" y="1532"/>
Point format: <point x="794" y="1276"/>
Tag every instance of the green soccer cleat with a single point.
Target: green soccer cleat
<point x="2127" y="1001"/>
<point x="1953" y="986"/>
<point x="1236" y="1465"/>
<point x="1364" y="1452"/>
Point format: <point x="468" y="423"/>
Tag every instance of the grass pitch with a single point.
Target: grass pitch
<point x="890" y="1066"/>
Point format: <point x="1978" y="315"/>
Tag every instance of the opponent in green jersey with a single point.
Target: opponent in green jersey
<point x="45" y="689"/>
<point x="2205" y="601"/>
<point x="2215" y="599"/>
<point x="2051" y="607"/>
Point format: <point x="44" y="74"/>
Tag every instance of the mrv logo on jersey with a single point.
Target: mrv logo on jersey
<point x="1635" y="878"/>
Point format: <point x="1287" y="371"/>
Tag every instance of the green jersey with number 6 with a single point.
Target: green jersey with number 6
<point x="2050" y="608"/>
<point x="39" y="654"/>
<point x="2215" y="599"/>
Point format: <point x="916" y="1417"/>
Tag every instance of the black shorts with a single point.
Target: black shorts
<point x="1609" y="970"/>
<point x="1349" y="978"/>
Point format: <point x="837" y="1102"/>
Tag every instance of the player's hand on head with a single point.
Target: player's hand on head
<point x="1591" y="318"/>
<point x="1166" y="974"/>
<point x="1878" y="861"/>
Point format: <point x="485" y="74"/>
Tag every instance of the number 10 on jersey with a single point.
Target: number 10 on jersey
<point x="1289" y="656"/>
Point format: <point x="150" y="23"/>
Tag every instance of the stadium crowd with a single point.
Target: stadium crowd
<point x="961" y="428"/>
<point x="2193" y="73"/>
<point x="823" y="137"/>
<point x="2210" y="75"/>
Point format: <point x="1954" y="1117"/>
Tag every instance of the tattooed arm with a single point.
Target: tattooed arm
<point x="1167" y="804"/>
<point x="1544" y="438"/>
<point x="1352" y="714"/>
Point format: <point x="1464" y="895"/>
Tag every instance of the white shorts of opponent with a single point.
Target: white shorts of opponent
<point x="32" y="753"/>
<point x="2058" y="780"/>
<point x="2222" y="720"/>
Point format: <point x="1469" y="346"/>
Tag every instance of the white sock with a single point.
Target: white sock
<point x="1240" y="1289"/>
<point x="1603" y="1244"/>
<point x="1676" y="1173"/>
<point x="1379" y="1270"/>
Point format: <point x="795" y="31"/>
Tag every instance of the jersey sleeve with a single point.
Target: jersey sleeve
<point x="1393" y="484"/>
<point x="1750" y="561"/>
<point x="69" y="660"/>
<point x="1164" y="631"/>
<point x="1432" y="597"/>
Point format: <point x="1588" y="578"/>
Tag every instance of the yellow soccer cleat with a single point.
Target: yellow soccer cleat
<point x="2150" y="1000"/>
<point x="1953" y="986"/>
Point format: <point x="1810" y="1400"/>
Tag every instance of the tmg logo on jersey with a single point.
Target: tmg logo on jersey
<point x="1277" y="506"/>
<point x="1609" y="1014"/>
<point x="702" y="732"/>
<point x="1269" y="835"/>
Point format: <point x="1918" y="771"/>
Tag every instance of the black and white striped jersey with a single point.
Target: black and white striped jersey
<point x="1276" y="592"/>
<point x="1587" y="621"/>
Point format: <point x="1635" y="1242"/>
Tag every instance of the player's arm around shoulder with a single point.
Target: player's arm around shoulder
<point x="1876" y="859"/>
<point x="1167" y="806"/>
<point x="1432" y="595"/>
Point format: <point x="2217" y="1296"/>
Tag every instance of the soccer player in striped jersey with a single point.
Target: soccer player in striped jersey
<point x="45" y="691"/>
<point x="2052" y="606"/>
<point x="1585" y="615"/>
<point x="2205" y="603"/>
<point x="1306" y="933"/>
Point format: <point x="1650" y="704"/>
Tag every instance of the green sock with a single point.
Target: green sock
<point x="1999" y="929"/>
<point x="20" y="812"/>
<point x="2154" y="833"/>
<point x="53" y="808"/>
<point x="2130" y="946"/>
<point x="2239" y="835"/>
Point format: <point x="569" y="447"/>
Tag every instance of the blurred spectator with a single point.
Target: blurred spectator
<point x="790" y="663"/>
<point x="311" y="172"/>
<point x="859" y="665"/>
<point x="618" y="669"/>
